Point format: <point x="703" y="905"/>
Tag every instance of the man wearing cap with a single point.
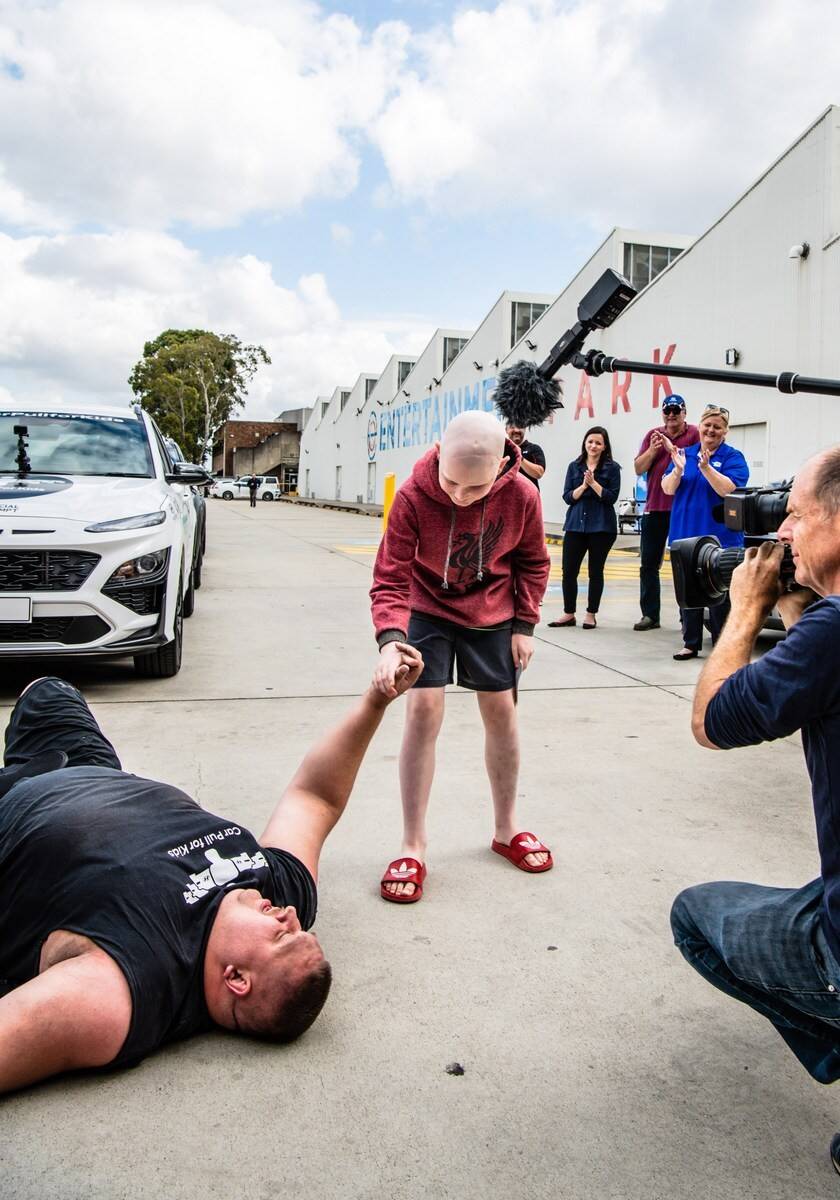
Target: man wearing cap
<point x="653" y="458"/>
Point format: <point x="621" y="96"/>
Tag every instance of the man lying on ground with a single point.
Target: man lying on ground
<point x="131" y="917"/>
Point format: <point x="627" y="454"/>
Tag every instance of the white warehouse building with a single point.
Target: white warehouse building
<point x="735" y="288"/>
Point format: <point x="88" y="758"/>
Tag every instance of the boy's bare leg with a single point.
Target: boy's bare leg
<point x="501" y="756"/>
<point x="423" y="719"/>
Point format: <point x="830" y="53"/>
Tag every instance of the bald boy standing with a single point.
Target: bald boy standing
<point x="460" y="575"/>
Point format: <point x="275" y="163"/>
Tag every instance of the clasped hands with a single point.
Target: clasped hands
<point x="398" y="669"/>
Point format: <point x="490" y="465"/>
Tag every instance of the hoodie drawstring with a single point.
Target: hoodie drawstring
<point x="480" y="545"/>
<point x="481" y="541"/>
<point x="448" y="551"/>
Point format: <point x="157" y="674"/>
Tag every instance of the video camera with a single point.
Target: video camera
<point x="703" y="568"/>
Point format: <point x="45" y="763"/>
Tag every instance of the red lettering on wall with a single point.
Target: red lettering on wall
<point x="620" y="388"/>
<point x="584" y="397"/>
<point x="662" y="381"/>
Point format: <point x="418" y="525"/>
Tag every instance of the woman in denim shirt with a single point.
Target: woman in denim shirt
<point x="591" y="489"/>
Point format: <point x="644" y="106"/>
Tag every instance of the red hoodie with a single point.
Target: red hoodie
<point x="475" y="566"/>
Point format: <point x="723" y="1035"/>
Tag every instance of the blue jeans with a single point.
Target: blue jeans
<point x="766" y="947"/>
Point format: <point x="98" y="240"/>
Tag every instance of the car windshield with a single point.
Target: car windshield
<point x="69" y="444"/>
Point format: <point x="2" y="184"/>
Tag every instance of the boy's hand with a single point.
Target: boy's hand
<point x="398" y="669"/>
<point x="521" y="647"/>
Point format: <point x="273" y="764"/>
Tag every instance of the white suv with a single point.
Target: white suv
<point x="97" y="537"/>
<point x="239" y="488"/>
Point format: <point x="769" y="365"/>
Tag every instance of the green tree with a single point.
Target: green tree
<point x="192" y="381"/>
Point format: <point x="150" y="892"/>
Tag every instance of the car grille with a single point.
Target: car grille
<point x="45" y="570"/>
<point x="66" y="631"/>
<point x="142" y="599"/>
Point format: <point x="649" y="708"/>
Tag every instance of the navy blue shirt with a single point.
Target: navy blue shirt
<point x="694" y="499"/>
<point x="592" y="513"/>
<point x="796" y="685"/>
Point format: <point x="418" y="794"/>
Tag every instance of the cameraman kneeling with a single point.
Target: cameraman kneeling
<point x="778" y="949"/>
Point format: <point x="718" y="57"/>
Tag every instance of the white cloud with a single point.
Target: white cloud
<point x="75" y="311"/>
<point x="145" y="112"/>
<point x="342" y="235"/>
<point x="632" y="112"/>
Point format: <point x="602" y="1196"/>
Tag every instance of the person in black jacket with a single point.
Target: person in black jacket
<point x="591" y="489"/>
<point x="253" y="488"/>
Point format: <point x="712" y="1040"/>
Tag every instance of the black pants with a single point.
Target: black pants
<point x="53" y="715"/>
<point x="253" y="496"/>
<point x="575" y="548"/>
<point x="655" y="526"/>
<point x="691" y="620"/>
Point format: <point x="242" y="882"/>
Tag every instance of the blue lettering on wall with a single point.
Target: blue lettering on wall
<point x="420" y="422"/>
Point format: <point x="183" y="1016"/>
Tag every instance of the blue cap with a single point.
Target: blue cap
<point x="674" y="400"/>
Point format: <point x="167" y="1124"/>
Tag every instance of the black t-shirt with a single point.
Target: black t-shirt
<point x="796" y="685"/>
<point x="532" y="453"/>
<point x="140" y="869"/>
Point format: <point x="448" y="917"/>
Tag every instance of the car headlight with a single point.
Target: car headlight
<point x="141" y="522"/>
<point x="140" y="568"/>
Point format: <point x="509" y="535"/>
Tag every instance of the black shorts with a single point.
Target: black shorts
<point x="484" y="658"/>
<point x="53" y="715"/>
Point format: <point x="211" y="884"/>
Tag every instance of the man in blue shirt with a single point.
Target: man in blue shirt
<point x="778" y="949"/>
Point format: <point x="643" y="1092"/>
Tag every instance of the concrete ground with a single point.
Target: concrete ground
<point x="597" y="1065"/>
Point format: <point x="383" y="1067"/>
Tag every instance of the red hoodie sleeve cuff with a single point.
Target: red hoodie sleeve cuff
<point x="523" y="627"/>
<point x="390" y="635"/>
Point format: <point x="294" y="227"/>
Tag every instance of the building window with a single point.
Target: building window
<point x="370" y="384"/>
<point x="403" y="372"/>
<point x="345" y="396"/>
<point x="324" y="406"/>
<point x="452" y="347"/>
<point x="643" y="263"/>
<point x="523" y="314"/>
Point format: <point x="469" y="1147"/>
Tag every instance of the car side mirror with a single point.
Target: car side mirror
<point x="184" y="472"/>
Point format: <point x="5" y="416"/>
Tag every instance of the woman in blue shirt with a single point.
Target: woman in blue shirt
<point x="698" y="478"/>
<point x="591" y="490"/>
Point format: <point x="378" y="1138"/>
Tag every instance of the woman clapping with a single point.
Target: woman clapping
<point x="698" y="478"/>
<point x="591" y="489"/>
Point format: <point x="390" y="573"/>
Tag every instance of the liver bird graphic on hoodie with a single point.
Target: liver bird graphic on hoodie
<point x="477" y="566"/>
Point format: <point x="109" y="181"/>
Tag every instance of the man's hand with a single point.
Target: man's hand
<point x="409" y="670"/>
<point x="398" y="668"/>
<point x="755" y="586"/>
<point x="522" y="649"/>
<point x="792" y="605"/>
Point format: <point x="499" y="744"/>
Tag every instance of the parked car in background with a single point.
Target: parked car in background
<point x="238" y="488"/>
<point x="97" y="537"/>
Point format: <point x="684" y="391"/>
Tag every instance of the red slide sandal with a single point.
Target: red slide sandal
<point x="522" y="845"/>
<point x="403" y="870"/>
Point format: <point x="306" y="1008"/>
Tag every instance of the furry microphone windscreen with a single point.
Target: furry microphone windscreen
<point x="524" y="397"/>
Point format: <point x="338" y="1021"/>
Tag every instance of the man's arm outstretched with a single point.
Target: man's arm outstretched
<point x="318" y="793"/>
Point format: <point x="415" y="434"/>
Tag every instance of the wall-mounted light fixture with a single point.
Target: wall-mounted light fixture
<point x="494" y="362"/>
<point x="477" y="365"/>
<point x="405" y="393"/>
<point x="531" y="345"/>
<point x="800" y="250"/>
<point x="732" y="357"/>
<point x="436" y="382"/>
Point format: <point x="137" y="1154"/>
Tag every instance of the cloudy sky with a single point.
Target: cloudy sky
<point x="334" y="181"/>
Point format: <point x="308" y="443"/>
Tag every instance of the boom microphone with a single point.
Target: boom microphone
<point x="527" y="394"/>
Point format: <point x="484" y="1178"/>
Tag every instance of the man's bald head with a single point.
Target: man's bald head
<point x="471" y="457"/>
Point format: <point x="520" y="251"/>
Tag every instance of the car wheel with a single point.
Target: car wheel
<point x="165" y="662"/>
<point x="268" y="496"/>
<point x="227" y="495"/>
<point x="189" y="596"/>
